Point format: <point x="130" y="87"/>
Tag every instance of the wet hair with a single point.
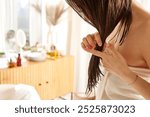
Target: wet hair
<point x="104" y="15"/>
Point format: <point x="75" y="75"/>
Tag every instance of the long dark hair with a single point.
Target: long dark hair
<point x="104" y="15"/>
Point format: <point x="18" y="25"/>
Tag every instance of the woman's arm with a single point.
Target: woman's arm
<point x="114" y="62"/>
<point x="142" y="86"/>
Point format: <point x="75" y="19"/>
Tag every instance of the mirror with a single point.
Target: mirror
<point x="31" y="16"/>
<point x="21" y="38"/>
<point x="20" y="15"/>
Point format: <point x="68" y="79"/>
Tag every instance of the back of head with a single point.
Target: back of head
<point x="104" y="15"/>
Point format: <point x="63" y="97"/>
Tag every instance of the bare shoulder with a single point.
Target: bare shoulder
<point x="147" y="31"/>
<point x="145" y="45"/>
<point x="148" y="24"/>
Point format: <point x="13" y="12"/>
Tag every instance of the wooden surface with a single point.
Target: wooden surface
<point x="51" y="78"/>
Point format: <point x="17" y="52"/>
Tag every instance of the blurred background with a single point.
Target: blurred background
<point x="46" y="23"/>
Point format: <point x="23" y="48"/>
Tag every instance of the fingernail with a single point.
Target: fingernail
<point x="100" y="44"/>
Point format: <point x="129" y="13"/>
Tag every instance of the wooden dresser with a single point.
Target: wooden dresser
<point x="51" y="78"/>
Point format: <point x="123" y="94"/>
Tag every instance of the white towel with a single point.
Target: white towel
<point x="18" y="92"/>
<point x="113" y="88"/>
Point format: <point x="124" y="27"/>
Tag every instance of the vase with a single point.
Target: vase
<point x="52" y="37"/>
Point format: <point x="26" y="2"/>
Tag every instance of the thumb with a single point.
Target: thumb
<point x="97" y="53"/>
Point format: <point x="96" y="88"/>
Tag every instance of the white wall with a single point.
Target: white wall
<point x="35" y="24"/>
<point x="2" y="24"/>
<point x="145" y="4"/>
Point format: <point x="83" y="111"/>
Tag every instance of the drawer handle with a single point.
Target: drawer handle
<point x="47" y="82"/>
<point x="40" y="84"/>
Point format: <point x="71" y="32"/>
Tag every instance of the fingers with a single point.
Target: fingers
<point x="111" y="49"/>
<point x="98" y="39"/>
<point x="110" y="46"/>
<point x="86" y="44"/>
<point x="83" y="45"/>
<point x="97" y="53"/>
<point x="90" y="41"/>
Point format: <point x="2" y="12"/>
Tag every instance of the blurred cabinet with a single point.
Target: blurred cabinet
<point x="51" y="78"/>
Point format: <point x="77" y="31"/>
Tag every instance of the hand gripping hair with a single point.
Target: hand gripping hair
<point x="104" y="15"/>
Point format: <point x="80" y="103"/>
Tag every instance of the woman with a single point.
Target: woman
<point x="121" y="46"/>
